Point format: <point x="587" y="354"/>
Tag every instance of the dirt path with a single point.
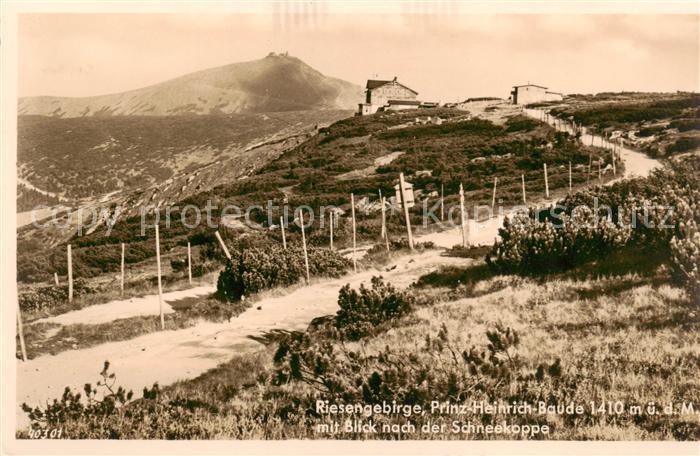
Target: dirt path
<point x="481" y="233"/>
<point x="168" y="356"/>
<point x="126" y="308"/>
<point x="637" y="164"/>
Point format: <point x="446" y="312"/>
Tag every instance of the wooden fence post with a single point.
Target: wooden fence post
<point x="600" y="172"/>
<point x="330" y="213"/>
<point x="223" y="246"/>
<point x="70" y="274"/>
<point x="405" y="211"/>
<point x="442" y="202"/>
<point x="160" y="284"/>
<point x="493" y="198"/>
<point x="612" y="154"/>
<point x="354" y="233"/>
<point x="463" y="214"/>
<point x="522" y="178"/>
<point x="590" y="165"/>
<point x="570" y="179"/>
<point x="284" y="238"/>
<point x="20" y="333"/>
<point x="382" y="232"/>
<point x="122" y="271"/>
<point x="386" y="232"/>
<point x="189" y="262"/>
<point x="303" y="244"/>
<point x="55" y="278"/>
<point x="546" y="182"/>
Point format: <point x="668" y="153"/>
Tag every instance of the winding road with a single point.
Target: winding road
<point x="637" y="164"/>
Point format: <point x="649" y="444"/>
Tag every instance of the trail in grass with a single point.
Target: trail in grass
<point x="168" y="356"/>
<point x="126" y="308"/>
<point x="637" y="164"/>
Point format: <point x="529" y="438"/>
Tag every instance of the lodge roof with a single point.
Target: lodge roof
<point x="376" y="83"/>
<point x="530" y="85"/>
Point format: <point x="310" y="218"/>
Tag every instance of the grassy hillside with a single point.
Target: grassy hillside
<point x="659" y="124"/>
<point x="574" y="345"/>
<point x="93" y="156"/>
<point x="361" y="155"/>
<point x="28" y="199"/>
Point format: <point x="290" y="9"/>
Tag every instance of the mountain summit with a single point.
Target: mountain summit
<point x="277" y="82"/>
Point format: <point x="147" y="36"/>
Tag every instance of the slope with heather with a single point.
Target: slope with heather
<point x="321" y="171"/>
<point x="88" y="157"/>
<point x="660" y="124"/>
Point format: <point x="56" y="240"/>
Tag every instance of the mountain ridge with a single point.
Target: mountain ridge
<point x="275" y="83"/>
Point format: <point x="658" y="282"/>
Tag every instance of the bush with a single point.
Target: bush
<point x="664" y="207"/>
<point x="255" y="269"/>
<point x="71" y="407"/>
<point x="521" y="123"/>
<point x="686" y="261"/>
<point x="529" y="246"/>
<point x="685" y="245"/>
<point x="178" y="265"/>
<point x="48" y="297"/>
<point x="437" y="370"/>
<point x="362" y="311"/>
<point x="198" y="270"/>
<point x="683" y="145"/>
<point x="685" y="124"/>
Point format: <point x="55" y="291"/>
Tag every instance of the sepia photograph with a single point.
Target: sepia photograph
<point x="325" y="226"/>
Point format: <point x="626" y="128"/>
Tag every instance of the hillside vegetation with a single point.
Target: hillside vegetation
<point x="92" y="156"/>
<point x="659" y="124"/>
<point x="612" y="334"/>
<point x="318" y="173"/>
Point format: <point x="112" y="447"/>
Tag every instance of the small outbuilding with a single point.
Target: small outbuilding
<point x="533" y="93"/>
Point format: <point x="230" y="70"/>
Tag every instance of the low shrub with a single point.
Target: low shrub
<point x="178" y="265"/>
<point x="683" y="145"/>
<point x="529" y="246"/>
<point x="686" y="262"/>
<point x="685" y="124"/>
<point x="521" y="123"/>
<point x="255" y="269"/>
<point x="73" y="407"/>
<point x="658" y="214"/>
<point x="363" y="310"/>
<point x="685" y="245"/>
<point x="48" y="297"/>
<point x="437" y="370"/>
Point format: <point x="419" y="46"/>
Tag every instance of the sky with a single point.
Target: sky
<point x="439" y="51"/>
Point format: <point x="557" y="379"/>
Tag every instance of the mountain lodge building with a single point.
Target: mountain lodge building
<point x="387" y="95"/>
<point x="533" y="93"/>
